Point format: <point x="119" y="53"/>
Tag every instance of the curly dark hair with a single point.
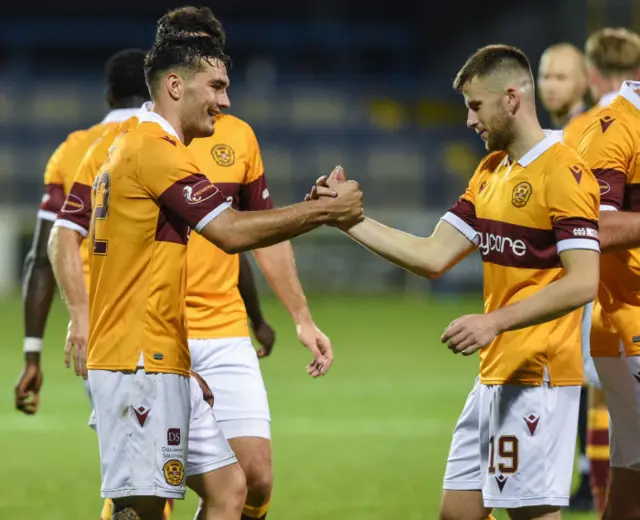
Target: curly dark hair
<point x="125" y="76"/>
<point x="191" y="20"/>
<point x="181" y="52"/>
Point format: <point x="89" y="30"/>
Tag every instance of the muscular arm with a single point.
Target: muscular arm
<point x="38" y="286"/>
<point x="64" y="252"/>
<point x="248" y="290"/>
<point x="279" y="267"/>
<point x="576" y="288"/>
<point x="619" y="230"/>
<point x="234" y="231"/>
<point x="427" y="257"/>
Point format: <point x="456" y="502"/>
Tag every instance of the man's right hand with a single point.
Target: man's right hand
<point x="343" y="198"/>
<point x="76" y="345"/>
<point x="27" y="389"/>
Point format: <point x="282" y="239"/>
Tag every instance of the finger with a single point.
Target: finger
<point x="262" y="352"/>
<point x="464" y="343"/>
<point x="307" y="197"/>
<point x="453" y="329"/>
<point x="471" y="349"/>
<point x="83" y="360"/>
<point x="458" y="338"/>
<point x="322" y="191"/>
<point x="322" y="181"/>
<point x="68" y="347"/>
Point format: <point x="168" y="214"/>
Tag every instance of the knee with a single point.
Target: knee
<point x="237" y="488"/>
<point x="260" y="482"/>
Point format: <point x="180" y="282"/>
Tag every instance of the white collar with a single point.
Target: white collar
<point x="146" y="107"/>
<point x="628" y="92"/>
<point x="551" y="137"/>
<point x="119" y="115"/>
<point x="149" y="116"/>
<point x="608" y="98"/>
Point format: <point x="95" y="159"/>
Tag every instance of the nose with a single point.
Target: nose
<point x="223" y="100"/>
<point x="472" y="119"/>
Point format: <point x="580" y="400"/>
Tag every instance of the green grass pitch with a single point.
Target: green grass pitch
<point x="368" y="441"/>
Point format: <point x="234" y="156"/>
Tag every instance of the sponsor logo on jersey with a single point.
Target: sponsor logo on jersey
<point x="501" y="480"/>
<point x="585" y="232"/>
<point x="604" y="187"/>
<point x="577" y="173"/>
<point x="73" y="204"/>
<point x="490" y="242"/>
<point x="199" y="192"/>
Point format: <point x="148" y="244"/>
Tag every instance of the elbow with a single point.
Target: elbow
<point x="431" y="270"/>
<point x="231" y="244"/>
<point x="587" y="291"/>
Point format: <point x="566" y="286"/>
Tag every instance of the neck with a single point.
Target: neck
<point x="172" y="118"/>
<point x="528" y="133"/>
<point x="560" y="119"/>
<point x="130" y="102"/>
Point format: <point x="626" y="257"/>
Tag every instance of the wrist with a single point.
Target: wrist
<point x="302" y="316"/>
<point x="319" y="212"/>
<point x="500" y="320"/>
<point x="32" y="348"/>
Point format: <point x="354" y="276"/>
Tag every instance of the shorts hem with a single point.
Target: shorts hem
<point x="245" y="427"/>
<point x="506" y="503"/>
<point x="467" y="485"/>
<point x="202" y="469"/>
<point x="143" y="492"/>
<point x="532" y="382"/>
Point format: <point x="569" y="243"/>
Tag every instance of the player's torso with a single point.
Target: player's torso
<point x="518" y="247"/>
<point x="214" y="306"/>
<point x="620" y="271"/>
<point x="138" y="272"/>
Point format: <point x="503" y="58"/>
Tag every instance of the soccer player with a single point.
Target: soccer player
<point x="609" y="147"/>
<point x="126" y="91"/>
<point x="220" y="347"/>
<point x="563" y="83"/>
<point x="148" y="195"/>
<point x="531" y="209"/>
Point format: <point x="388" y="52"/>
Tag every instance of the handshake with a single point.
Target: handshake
<point x="342" y="199"/>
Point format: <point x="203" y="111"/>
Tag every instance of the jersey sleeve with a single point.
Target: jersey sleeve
<point x="254" y="193"/>
<point x="168" y="174"/>
<point x="76" y="211"/>
<point x="573" y="197"/>
<point x="53" y="197"/>
<point x="462" y="215"/>
<point x="608" y="151"/>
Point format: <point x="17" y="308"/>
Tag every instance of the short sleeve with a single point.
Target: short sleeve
<point x="254" y="193"/>
<point x="573" y="197"/>
<point x="76" y="211"/>
<point x="462" y="215"/>
<point x="53" y="197"/>
<point x="607" y="149"/>
<point x="167" y="172"/>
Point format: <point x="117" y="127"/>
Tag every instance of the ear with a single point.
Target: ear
<point x="514" y="99"/>
<point x="174" y="85"/>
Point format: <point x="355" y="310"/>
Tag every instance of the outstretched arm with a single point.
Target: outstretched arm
<point x="427" y="257"/>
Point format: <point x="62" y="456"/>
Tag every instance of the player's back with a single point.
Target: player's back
<point x="230" y="159"/>
<point x="610" y="146"/>
<point x="575" y="129"/>
<point x="525" y="214"/>
<point x="138" y="266"/>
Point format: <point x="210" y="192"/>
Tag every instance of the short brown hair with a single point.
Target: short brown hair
<point x="490" y="59"/>
<point x="614" y="51"/>
<point x="190" y="19"/>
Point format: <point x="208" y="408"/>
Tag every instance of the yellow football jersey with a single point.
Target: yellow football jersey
<point x="521" y="215"/>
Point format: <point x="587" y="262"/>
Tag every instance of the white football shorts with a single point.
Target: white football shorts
<point x="231" y="368"/>
<point x="620" y="380"/>
<point x="515" y="444"/>
<point x="154" y="430"/>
